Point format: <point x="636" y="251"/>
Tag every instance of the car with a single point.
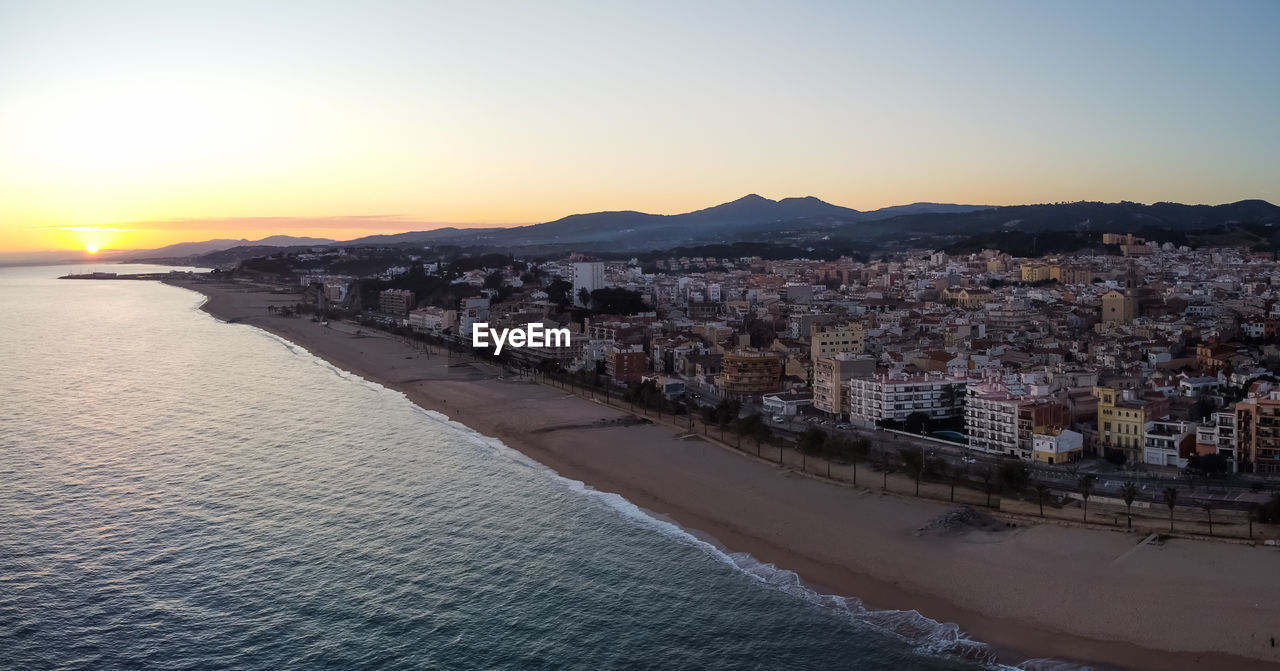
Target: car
<point x="779" y="419"/>
<point x="968" y="460"/>
<point x="842" y="425"/>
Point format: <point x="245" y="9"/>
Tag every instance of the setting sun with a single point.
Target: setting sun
<point x="91" y="248"/>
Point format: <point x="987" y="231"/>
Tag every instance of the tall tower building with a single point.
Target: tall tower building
<point x="587" y="275"/>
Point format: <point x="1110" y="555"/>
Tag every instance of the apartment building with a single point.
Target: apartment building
<point x="1122" y="420"/>
<point x="1218" y="436"/>
<point x="589" y="276"/>
<point x="747" y="372"/>
<point x="831" y="339"/>
<point x="896" y="395"/>
<point x="626" y="363"/>
<point x="1057" y="446"/>
<point x="830" y="375"/>
<point x="1168" y="443"/>
<point x="395" y="301"/>
<point x="1258" y="429"/>
<point x="1005" y="422"/>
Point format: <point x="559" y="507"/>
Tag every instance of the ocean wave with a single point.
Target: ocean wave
<point x="927" y="636"/>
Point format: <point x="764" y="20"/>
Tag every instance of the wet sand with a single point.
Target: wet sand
<point x="1038" y="590"/>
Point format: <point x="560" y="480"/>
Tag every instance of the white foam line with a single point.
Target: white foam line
<point x="930" y="637"/>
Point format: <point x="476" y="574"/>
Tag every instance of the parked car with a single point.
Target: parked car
<point x="779" y="419"/>
<point x="843" y="425"/>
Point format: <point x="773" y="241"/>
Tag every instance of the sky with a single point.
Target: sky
<point x="139" y="124"/>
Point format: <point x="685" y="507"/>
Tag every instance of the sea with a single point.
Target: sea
<point x="177" y="492"/>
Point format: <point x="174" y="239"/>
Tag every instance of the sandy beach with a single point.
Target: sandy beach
<point x="1037" y="590"/>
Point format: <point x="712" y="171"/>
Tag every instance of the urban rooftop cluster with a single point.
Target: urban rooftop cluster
<point x="1137" y="353"/>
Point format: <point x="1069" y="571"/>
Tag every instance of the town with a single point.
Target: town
<point x="1125" y="359"/>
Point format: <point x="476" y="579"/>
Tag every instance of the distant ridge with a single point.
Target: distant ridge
<point x="799" y="220"/>
<point x="207" y="246"/>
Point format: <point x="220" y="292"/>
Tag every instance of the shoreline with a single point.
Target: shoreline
<point x="1002" y="589"/>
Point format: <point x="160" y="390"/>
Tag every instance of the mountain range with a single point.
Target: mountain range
<point x="747" y="215"/>
<point x="797" y="220"/>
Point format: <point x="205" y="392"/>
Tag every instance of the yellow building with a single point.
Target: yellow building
<point x="1122" y="420"/>
<point x="1119" y="306"/>
<point x="1070" y="274"/>
<point x="1035" y="272"/>
<point x="1121" y="239"/>
<point x="970" y="297"/>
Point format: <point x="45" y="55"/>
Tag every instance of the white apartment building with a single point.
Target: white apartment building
<point x="1163" y="439"/>
<point x="991" y="421"/>
<point x="472" y="311"/>
<point x="587" y="275"/>
<point x="894" y="396"/>
<point x="432" y="318"/>
<point x="1003" y="415"/>
<point x="1219" y="435"/>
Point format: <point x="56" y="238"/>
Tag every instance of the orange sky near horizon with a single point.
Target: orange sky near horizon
<point x="141" y="124"/>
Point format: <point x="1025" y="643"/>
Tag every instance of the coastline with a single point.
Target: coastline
<point x="1186" y="605"/>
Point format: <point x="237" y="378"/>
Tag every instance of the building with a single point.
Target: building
<point x="1035" y="272"/>
<point x="670" y="387"/>
<point x="432" y="318"/>
<point x="1071" y="274"/>
<point x="897" y="395"/>
<point x="968" y="298"/>
<point x="1218" y="436"/>
<point x="626" y="363"/>
<point x="1119" y="307"/>
<point x="1122" y="420"/>
<point x="991" y="421"/>
<point x="830" y="374"/>
<point x="587" y="275"/>
<point x="1060" y="447"/>
<point x="1258" y="428"/>
<point x="785" y="405"/>
<point x="1000" y="421"/>
<point x="396" y="301"/>
<point x="472" y="311"/>
<point x="747" y="372"/>
<point x="828" y="340"/>
<point x="1168" y="443"/>
<point x="1121" y="239"/>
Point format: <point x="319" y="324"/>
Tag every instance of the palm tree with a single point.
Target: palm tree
<point x="1086" y="490"/>
<point x="1042" y="490"/>
<point x="1208" y="509"/>
<point x="1171" y="500"/>
<point x="1129" y="492"/>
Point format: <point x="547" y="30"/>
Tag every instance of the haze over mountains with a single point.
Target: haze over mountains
<point x="755" y="218"/>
